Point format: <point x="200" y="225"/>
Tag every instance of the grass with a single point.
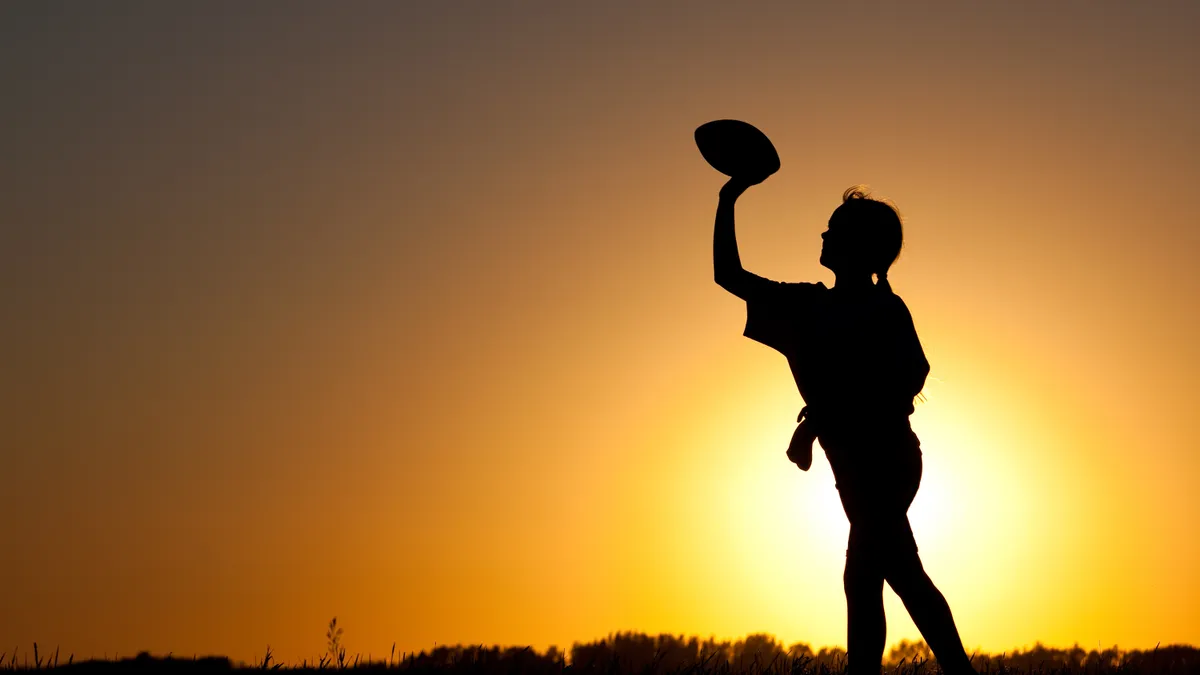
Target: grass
<point x="639" y="654"/>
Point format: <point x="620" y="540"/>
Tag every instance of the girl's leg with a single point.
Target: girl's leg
<point x="865" y="622"/>
<point x="929" y="611"/>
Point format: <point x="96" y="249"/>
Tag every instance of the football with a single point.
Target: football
<point x="737" y="149"/>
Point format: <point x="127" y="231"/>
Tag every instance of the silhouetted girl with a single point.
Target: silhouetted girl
<point x="857" y="361"/>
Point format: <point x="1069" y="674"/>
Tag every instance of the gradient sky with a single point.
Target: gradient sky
<point x="403" y="312"/>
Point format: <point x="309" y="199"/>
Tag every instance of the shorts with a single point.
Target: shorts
<point x="877" y="478"/>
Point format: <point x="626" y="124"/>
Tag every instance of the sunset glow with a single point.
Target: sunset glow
<point x="404" y="313"/>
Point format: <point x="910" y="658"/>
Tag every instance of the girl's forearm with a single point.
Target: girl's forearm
<point x="727" y="263"/>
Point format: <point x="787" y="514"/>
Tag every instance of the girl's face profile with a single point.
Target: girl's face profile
<point x="835" y="245"/>
<point x="845" y="246"/>
<point x="826" y="246"/>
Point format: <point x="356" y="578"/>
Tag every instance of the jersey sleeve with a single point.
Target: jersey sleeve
<point x="776" y="311"/>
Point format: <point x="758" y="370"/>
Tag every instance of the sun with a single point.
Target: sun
<point x="715" y="531"/>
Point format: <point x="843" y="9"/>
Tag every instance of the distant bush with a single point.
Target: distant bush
<point x="632" y="653"/>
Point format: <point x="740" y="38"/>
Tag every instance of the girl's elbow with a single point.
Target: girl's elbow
<point x="728" y="282"/>
<point x="721" y="278"/>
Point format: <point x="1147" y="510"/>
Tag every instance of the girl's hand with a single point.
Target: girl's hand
<point x="736" y="185"/>
<point x="800" y="450"/>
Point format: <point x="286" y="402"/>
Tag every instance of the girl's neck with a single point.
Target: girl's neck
<point x="848" y="281"/>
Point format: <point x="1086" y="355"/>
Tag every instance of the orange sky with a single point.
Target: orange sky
<point x="407" y="316"/>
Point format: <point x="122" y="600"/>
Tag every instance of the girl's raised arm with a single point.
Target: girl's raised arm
<point x="727" y="263"/>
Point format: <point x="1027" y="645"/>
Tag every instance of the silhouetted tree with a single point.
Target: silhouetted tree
<point x="909" y="652"/>
<point x="757" y="648"/>
<point x="800" y="650"/>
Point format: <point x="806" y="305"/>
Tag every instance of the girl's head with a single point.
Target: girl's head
<point x="864" y="235"/>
